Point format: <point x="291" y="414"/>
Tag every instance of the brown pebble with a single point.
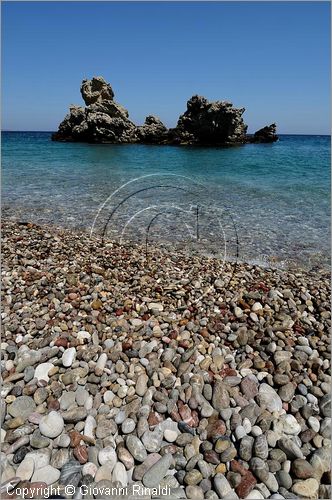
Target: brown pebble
<point x="61" y="342"/>
<point x="81" y="453"/>
<point x="246" y="486"/>
<point x="75" y="438"/>
<point x="211" y="457"/>
<point x="53" y="404"/>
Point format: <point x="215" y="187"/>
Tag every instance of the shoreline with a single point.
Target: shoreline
<point x="270" y="263"/>
<point x="176" y="372"/>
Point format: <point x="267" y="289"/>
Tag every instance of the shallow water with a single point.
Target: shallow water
<point x="265" y="203"/>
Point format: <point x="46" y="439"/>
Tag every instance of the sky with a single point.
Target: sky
<point x="273" y="58"/>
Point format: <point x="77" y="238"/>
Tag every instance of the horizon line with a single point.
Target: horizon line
<point x="280" y="133"/>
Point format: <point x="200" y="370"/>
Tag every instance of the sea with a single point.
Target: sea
<point x="267" y="204"/>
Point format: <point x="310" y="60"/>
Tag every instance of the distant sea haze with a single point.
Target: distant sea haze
<point x="273" y="199"/>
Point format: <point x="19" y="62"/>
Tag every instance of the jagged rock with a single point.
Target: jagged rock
<point x="96" y="90"/>
<point x="105" y="121"/>
<point x="265" y="134"/>
<point x="212" y="123"/>
<point x="152" y="132"/>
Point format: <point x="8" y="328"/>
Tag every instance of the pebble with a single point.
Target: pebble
<point x="107" y="456"/>
<point x="325" y="405"/>
<point x="306" y="489"/>
<point x="68" y="357"/>
<point x="89" y="469"/>
<point x="47" y="474"/>
<point x="128" y="426"/>
<point x="290" y="425"/>
<point x="157" y="472"/>
<point x="51" y="425"/>
<point x="74" y="415"/>
<point x="290" y="448"/>
<point x="155" y="306"/>
<point x="42" y="370"/>
<point x="222" y="486"/>
<point x="141" y="385"/>
<point x="120" y="474"/>
<point x="104" y="472"/>
<point x="136" y="448"/>
<point x="25" y="469"/>
<point x="170" y="435"/>
<point x="286" y="392"/>
<point x="22" y="407"/>
<point x="269" y="398"/>
<point x="284" y="479"/>
<point x="101" y="363"/>
<point x="132" y="379"/>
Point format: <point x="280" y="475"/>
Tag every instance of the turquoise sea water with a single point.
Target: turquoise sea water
<point x="270" y="203"/>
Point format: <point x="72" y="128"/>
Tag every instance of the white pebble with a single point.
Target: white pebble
<point x="170" y="435"/>
<point x="238" y="312"/>
<point x="101" y="363"/>
<point x="68" y="357"/>
<point x="89" y="426"/>
<point x="89" y="468"/>
<point x="83" y="335"/>
<point x="314" y="424"/>
<point x="108" y="397"/>
<point x="41" y="372"/>
<point x="25" y="469"/>
<point x="51" y="425"/>
<point x="107" y="455"/>
<point x="240" y="432"/>
<point x="256" y="431"/>
<point x="246" y="424"/>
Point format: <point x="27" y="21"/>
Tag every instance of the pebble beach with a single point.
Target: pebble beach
<point x="160" y="377"/>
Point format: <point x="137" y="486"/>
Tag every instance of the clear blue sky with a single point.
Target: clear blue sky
<point x="272" y="58"/>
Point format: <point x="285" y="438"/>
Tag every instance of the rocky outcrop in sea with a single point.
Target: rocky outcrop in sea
<point x="103" y="120"/>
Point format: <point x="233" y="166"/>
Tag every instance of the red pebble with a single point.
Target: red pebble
<point x="173" y="335"/>
<point x="81" y="453"/>
<point x="53" y="404"/>
<point x="119" y="312"/>
<point x="154" y="418"/>
<point x="61" y="342"/>
<point x="188" y="416"/>
<point x="247" y="484"/>
<point x="238" y="467"/>
<point x="126" y="345"/>
<point x="216" y="429"/>
<point x="75" y="438"/>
